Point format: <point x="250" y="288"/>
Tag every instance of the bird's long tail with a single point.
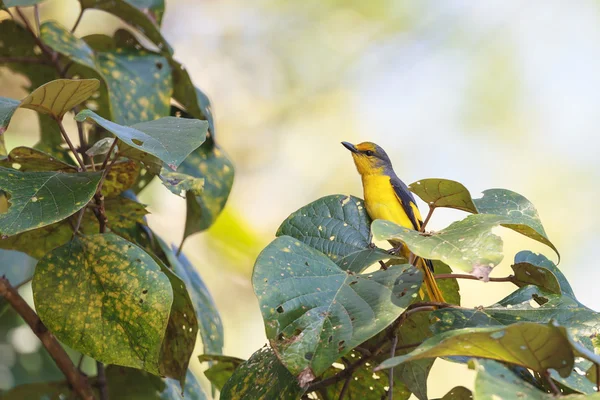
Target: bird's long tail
<point x="431" y="287"/>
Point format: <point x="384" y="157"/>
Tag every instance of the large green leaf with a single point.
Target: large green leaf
<point x="119" y="316"/>
<point x="129" y="73"/>
<point x="468" y="244"/>
<point x="443" y="193"/>
<point x="538" y="347"/>
<point x="338" y="226"/>
<point x="315" y="312"/>
<point x="542" y="272"/>
<point x="262" y="376"/>
<point x="521" y="216"/>
<point x="7" y="109"/>
<point x="212" y="164"/>
<point x="143" y="15"/>
<point x="211" y="327"/>
<point x="221" y="368"/>
<point x="59" y="96"/>
<point x="38" y="199"/>
<point x="26" y="159"/>
<point x="170" y="139"/>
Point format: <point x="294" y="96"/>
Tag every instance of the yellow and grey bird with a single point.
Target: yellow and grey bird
<point x="387" y="197"/>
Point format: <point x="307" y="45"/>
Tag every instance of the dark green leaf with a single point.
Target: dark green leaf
<point x="535" y="346"/>
<point x="444" y="193"/>
<point x="143" y="15"/>
<point x="458" y="393"/>
<point x="7" y="109"/>
<point x="338" y="226"/>
<point x="262" y="377"/>
<point x="521" y="216"/>
<point x="529" y="274"/>
<point x="120" y="315"/>
<point x="193" y="99"/>
<point x="34" y="197"/>
<point x="315" y="312"/>
<point x="170" y="139"/>
<point x="211" y="163"/>
<point x="57" y="97"/>
<point x="543" y="263"/>
<point x="222" y="368"/>
<point x="180" y="184"/>
<point x="26" y="159"/>
<point x="468" y="244"/>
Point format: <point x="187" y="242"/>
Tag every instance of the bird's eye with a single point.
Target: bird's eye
<point x="369" y="153"/>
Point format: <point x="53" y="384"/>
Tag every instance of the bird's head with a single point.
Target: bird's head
<point x="370" y="159"/>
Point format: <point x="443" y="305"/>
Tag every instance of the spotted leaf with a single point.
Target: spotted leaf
<point x="38" y="199"/>
<point x="120" y="177"/>
<point x="315" y="312"/>
<point x="26" y="159"/>
<point x="180" y="184"/>
<point x="534" y="346"/>
<point x="338" y="226"/>
<point x="444" y="193"/>
<point x="538" y="270"/>
<point x="170" y="139"/>
<point x="120" y="315"/>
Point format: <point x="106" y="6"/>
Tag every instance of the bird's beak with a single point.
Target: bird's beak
<point x="350" y="147"/>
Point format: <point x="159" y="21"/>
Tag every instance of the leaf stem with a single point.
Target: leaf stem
<point x="391" y="370"/>
<point x="58" y="354"/>
<point x="427" y="218"/>
<point x="553" y="386"/>
<point x="36" y="17"/>
<point x="509" y="278"/>
<point x="345" y="387"/>
<point x="78" y="20"/>
<point x="101" y="381"/>
<point x="70" y="144"/>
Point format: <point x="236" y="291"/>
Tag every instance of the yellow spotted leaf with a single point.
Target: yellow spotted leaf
<point x="57" y="97"/>
<point x="120" y="177"/>
<point x="27" y="159"/>
<point x="106" y="298"/>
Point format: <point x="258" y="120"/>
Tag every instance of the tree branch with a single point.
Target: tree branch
<point x="58" y="354"/>
<point x="70" y="144"/>
<point x="427" y="218"/>
<point x="553" y="386"/>
<point x="509" y="278"/>
<point x="345" y="387"/>
<point x="101" y="381"/>
<point x="391" y="370"/>
<point x="78" y="20"/>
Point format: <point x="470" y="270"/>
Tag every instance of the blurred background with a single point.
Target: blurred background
<point x="490" y="93"/>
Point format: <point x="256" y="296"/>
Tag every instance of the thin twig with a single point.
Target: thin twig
<point x="181" y="245"/>
<point x="36" y="17"/>
<point x="345" y="387"/>
<point x="553" y="386"/>
<point x="70" y="144"/>
<point x="78" y="223"/>
<point x="391" y="370"/>
<point x="427" y="218"/>
<point x="78" y="20"/>
<point x="28" y="60"/>
<point x="509" y="278"/>
<point x="80" y="362"/>
<point x="101" y="381"/>
<point x="58" y="354"/>
<point x="112" y="147"/>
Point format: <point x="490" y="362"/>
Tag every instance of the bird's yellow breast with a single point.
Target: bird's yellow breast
<point x="382" y="202"/>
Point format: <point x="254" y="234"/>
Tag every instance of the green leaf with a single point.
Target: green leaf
<point x="170" y="139"/>
<point x="129" y="73"/>
<point x="39" y="391"/>
<point x="262" y="377"/>
<point x="534" y="346"/>
<point x="521" y="216"/>
<point x="21" y="3"/>
<point x="211" y="327"/>
<point x="222" y="368"/>
<point x="34" y="197"/>
<point x="338" y="226"/>
<point x="120" y="177"/>
<point x="458" y="393"/>
<point x="529" y="274"/>
<point x="468" y="244"/>
<point x="143" y="15"/>
<point x="120" y="315"/>
<point x="449" y="287"/>
<point x="26" y="159"/>
<point x="180" y="184"/>
<point x="211" y="163"/>
<point x="59" y="96"/>
<point x="193" y="99"/>
<point x="124" y="215"/>
<point x="315" y="312"/>
<point x="7" y="109"/>
<point x="102" y="147"/>
<point x="541" y="263"/>
<point x="444" y="193"/>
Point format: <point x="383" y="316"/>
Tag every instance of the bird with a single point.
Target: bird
<point x="387" y="197"/>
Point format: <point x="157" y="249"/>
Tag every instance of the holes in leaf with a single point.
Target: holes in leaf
<point x="4" y="202"/>
<point x="330" y="339"/>
<point x="145" y="291"/>
<point x="92" y="105"/>
<point x="280" y="336"/>
<point x="353" y="282"/>
<point x="159" y="65"/>
<point x="280" y="309"/>
<point x="308" y="356"/>
<point x="137" y="142"/>
<point x="16" y="165"/>
<point x="297" y="332"/>
<point x="141" y="301"/>
<point x="341" y="345"/>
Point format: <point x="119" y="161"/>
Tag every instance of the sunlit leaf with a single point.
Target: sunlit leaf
<point x="7" y="109"/>
<point x="528" y="260"/>
<point x="468" y="244"/>
<point x="212" y="164"/>
<point x="120" y="315"/>
<point x="534" y="346"/>
<point x="530" y="274"/>
<point x="521" y="216"/>
<point x="222" y="368"/>
<point x="170" y="139"/>
<point x="262" y="377"/>
<point x="444" y="193"/>
<point x="34" y="197"/>
<point x="26" y="159"/>
<point x="315" y="312"/>
<point x="180" y="184"/>
<point x="59" y="96"/>
<point x="338" y="226"/>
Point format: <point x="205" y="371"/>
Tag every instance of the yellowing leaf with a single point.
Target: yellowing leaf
<point x="57" y="97"/>
<point x="444" y="193"/>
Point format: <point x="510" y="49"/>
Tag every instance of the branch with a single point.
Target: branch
<point x="345" y="387"/>
<point x="427" y="218"/>
<point x="553" y="386"/>
<point x="509" y="278"/>
<point x="36" y="17"/>
<point x="78" y="20"/>
<point x="101" y="381"/>
<point x="391" y="370"/>
<point x="58" y="354"/>
<point x="70" y="144"/>
<point x="28" y="60"/>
